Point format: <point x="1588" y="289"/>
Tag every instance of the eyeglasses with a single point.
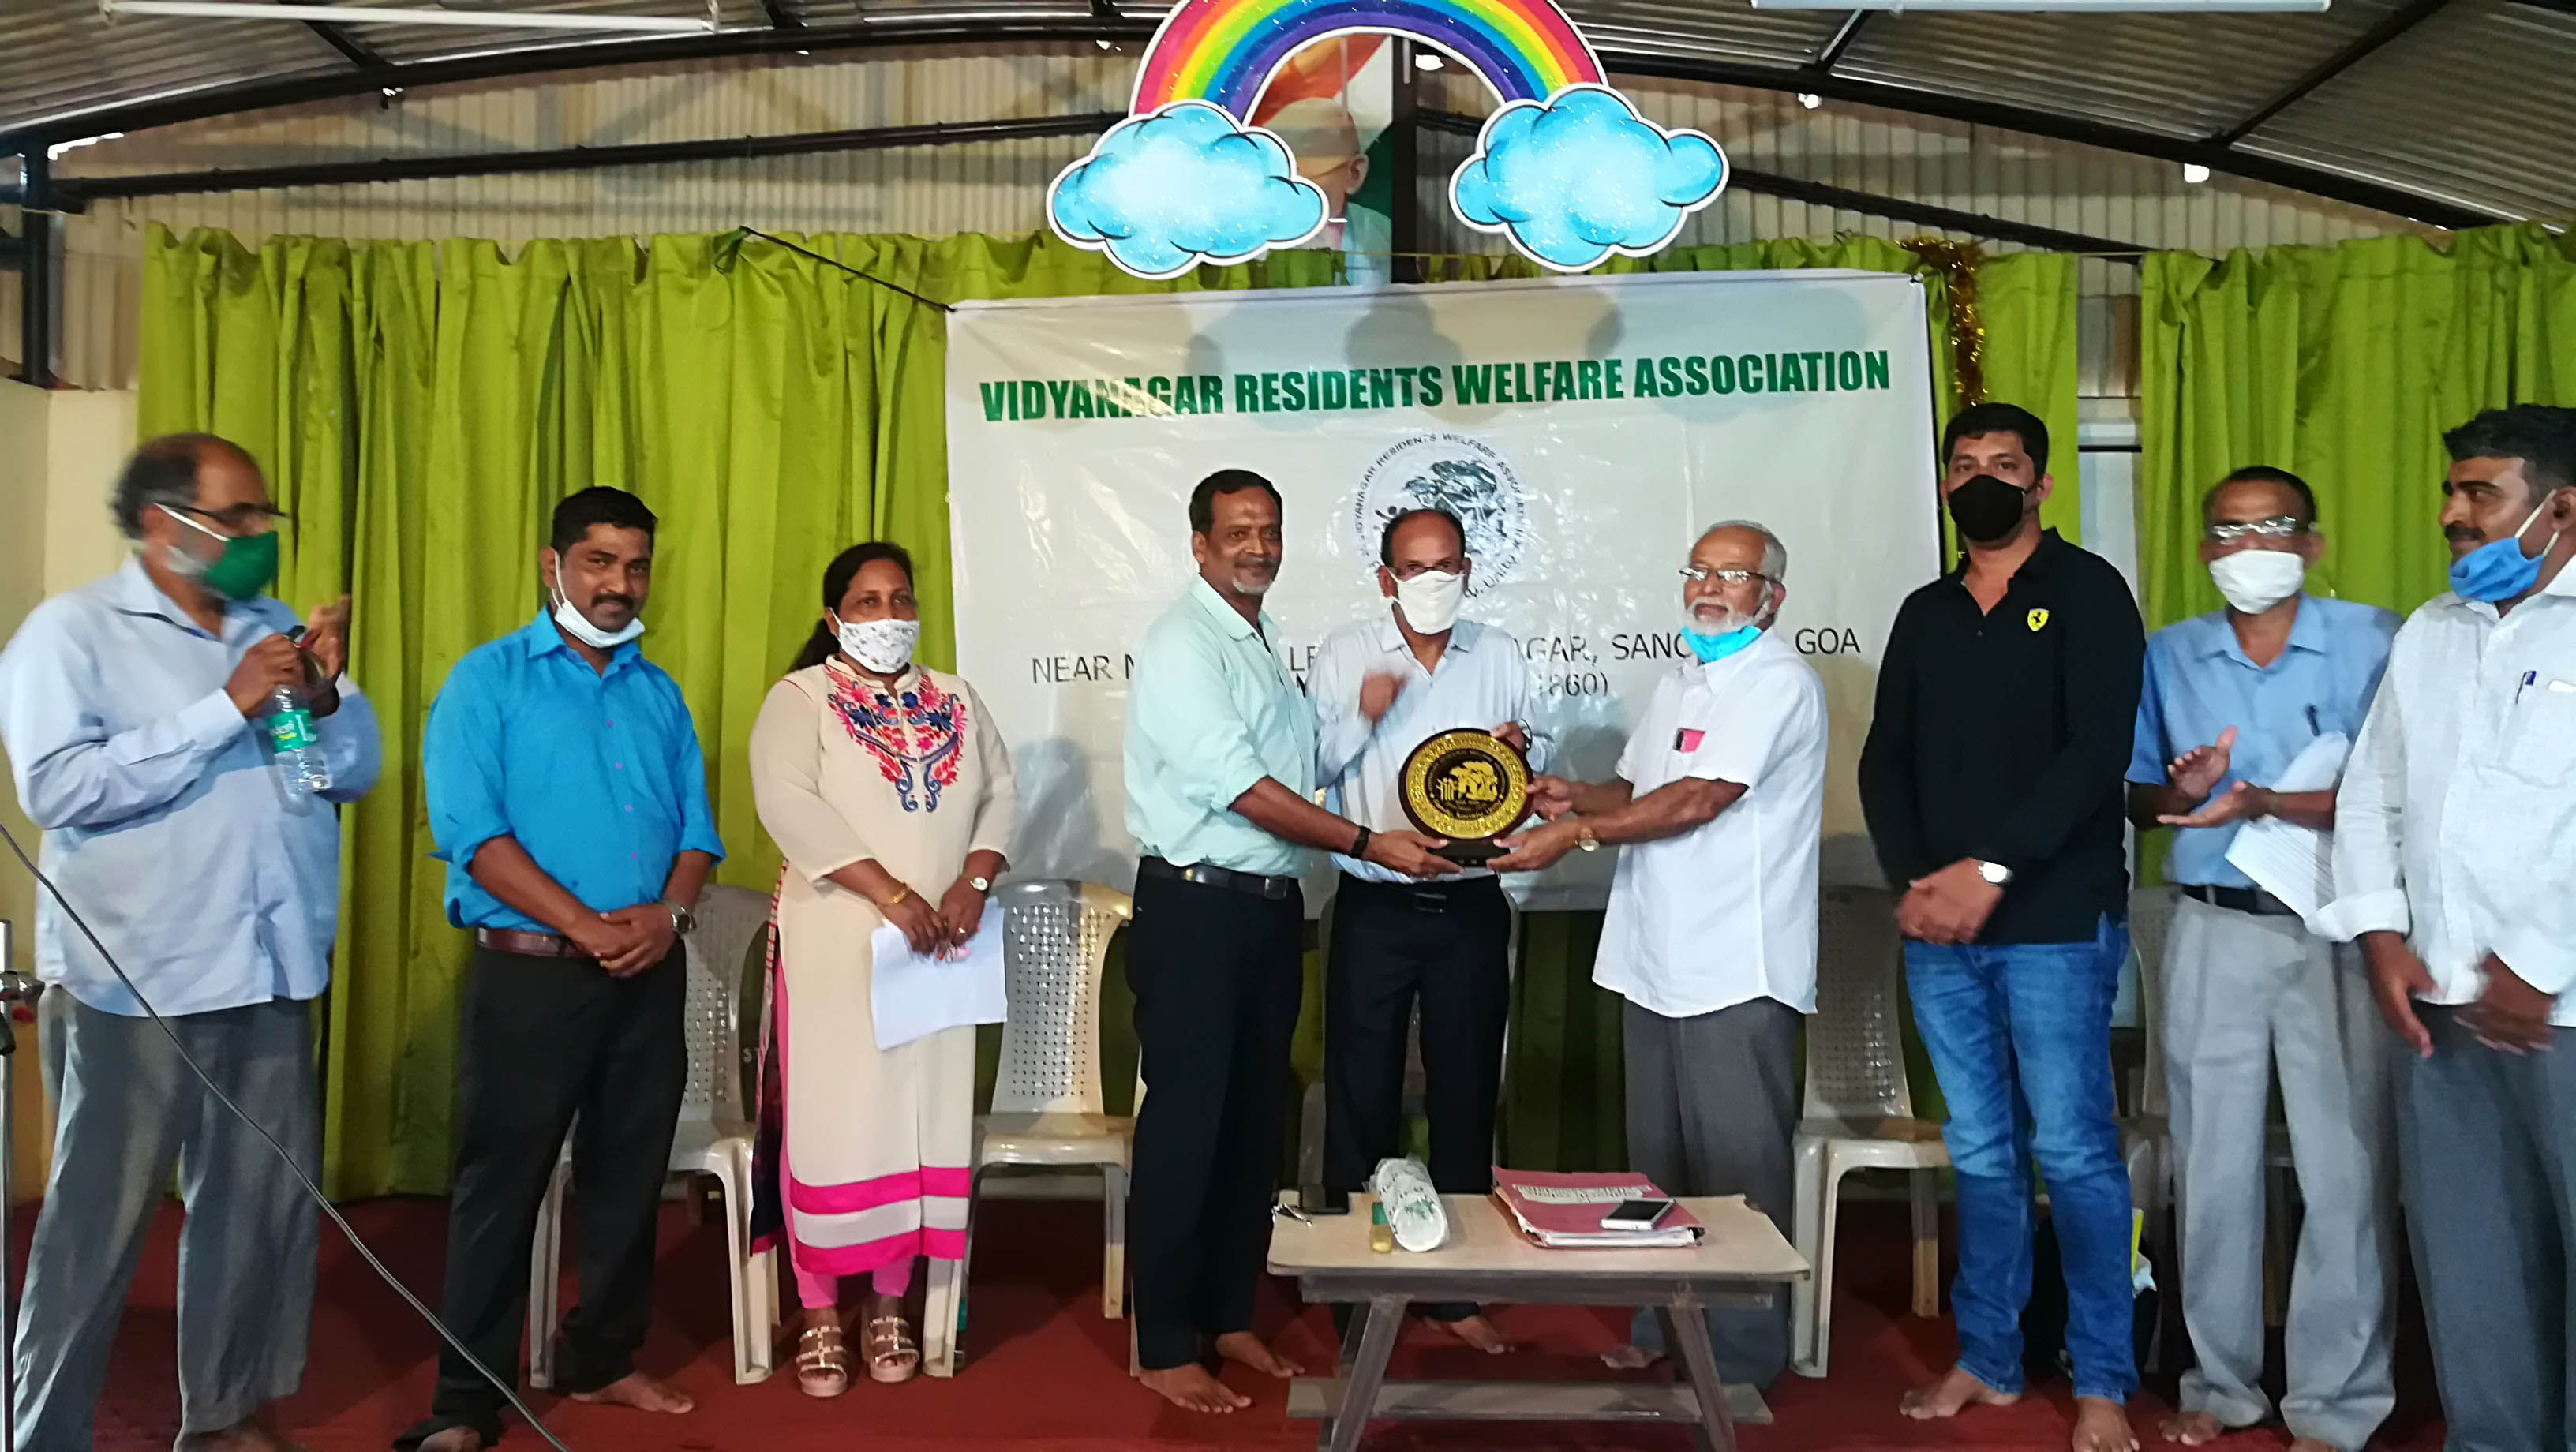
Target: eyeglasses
<point x="1701" y="574"/>
<point x="2279" y="526"/>
<point x="237" y="518"/>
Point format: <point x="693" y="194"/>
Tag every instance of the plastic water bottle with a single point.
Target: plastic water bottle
<point x="299" y="751"/>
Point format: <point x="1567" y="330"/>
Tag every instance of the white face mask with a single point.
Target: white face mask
<point x="1430" y="600"/>
<point x="578" y="626"/>
<point x="2256" y="580"/>
<point x="884" y="646"/>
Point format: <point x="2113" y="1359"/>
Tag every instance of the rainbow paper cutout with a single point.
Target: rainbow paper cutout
<point x="1566" y="169"/>
<point x="1224" y="51"/>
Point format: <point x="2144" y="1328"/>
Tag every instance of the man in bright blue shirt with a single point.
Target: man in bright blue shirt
<point x="2232" y="699"/>
<point x="1220" y="771"/>
<point x="135" y="713"/>
<point x="568" y="798"/>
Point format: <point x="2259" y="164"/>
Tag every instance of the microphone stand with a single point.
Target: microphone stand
<point x="16" y="988"/>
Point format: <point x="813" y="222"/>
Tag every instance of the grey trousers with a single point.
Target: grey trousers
<point x="2244" y="995"/>
<point x="2487" y="1141"/>
<point x="1713" y="1110"/>
<point x="128" y="1109"/>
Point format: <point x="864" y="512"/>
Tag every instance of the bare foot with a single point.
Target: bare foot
<point x="1249" y="1350"/>
<point x="250" y="1436"/>
<point x="641" y="1392"/>
<point x="1627" y="1357"/>
<point x="454" y="1439"/>
<point x="2310" y="1444"/>
<point x="1478" y="1332"/>
<point x="2102" y="1425"/>
<point x="1954" y="1393"/>
<point x="1192" y="1389"/>
<point x="2194" y="1429"/>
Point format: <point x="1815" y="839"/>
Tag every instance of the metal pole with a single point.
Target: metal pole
<point x="38" y="289"/>
<point x="1405" y="154"/>
<point x="15" y="988"/>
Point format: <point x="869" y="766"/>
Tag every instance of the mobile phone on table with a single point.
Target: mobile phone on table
<point x="1317" y="1200"/>
<point x="1637" y="1214"/>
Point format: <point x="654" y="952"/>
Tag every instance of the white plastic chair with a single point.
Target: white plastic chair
<point x="714" y="1137"/>
<point x="1047" y="1107"/>
<point x="1859" y="1112"/>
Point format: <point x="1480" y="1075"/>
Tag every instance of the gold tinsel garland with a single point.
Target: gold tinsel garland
<point x="1957" y="262"/>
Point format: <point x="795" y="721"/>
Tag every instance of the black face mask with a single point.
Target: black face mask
<point x="1986" y="510"/>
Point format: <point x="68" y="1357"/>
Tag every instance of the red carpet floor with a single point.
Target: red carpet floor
<point x="1045" y="1371"/>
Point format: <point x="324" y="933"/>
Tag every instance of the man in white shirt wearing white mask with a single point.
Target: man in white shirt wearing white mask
<point x="2231" y="699"/>
<point x="1381" y="687"/>
<point x="1711" y="935"/>
<point x="2455" y="867"/>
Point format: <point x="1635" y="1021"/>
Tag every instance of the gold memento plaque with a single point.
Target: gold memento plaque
<point x="1467" y="787"/>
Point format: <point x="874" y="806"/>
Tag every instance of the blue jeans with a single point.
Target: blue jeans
<point x="2020" y="1037"/>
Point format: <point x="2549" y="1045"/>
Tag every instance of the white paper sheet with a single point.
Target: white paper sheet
<point x="912" y="996"/>
<point x="2294" y="863"/>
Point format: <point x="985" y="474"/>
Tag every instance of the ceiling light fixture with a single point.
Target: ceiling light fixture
<point x="2193" y="173"/>
<point x="1810" y="100"/>
<point x="1427" y="61"/>
<point x="375" y="15"/>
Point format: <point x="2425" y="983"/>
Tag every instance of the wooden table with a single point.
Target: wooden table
<point x="1487" y="1260"/>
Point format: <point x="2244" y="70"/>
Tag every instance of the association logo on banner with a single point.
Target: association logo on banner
<point x="1463" y="475"/>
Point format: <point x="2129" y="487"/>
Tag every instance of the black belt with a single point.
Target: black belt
<point x="1276" y="889"/>
<point x="2242" y="900"/>
<point x="1429" y="896"/>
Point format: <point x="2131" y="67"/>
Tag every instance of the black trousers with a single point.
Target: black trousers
<point x="543" y="1039"/>
<point x="1218" y="976"/>
<point x="1446" y="946"/>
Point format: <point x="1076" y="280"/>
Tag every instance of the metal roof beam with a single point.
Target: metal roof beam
<point x="259" y="95"/>
<point x="2392" y="25"/>
<point x="1868" y="204"/>
<point x="1832" y="55"/>
<point x="780" y="17"/>
<point x="76" y="193"/>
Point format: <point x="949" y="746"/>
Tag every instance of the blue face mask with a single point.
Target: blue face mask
<point x="2498" y="569"/>
<point x="1718" y="647"/>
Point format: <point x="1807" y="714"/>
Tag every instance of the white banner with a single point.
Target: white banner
<point x="1586" y="429"/>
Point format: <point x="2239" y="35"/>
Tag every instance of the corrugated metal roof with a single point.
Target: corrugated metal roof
<point x="2464" y="106"/>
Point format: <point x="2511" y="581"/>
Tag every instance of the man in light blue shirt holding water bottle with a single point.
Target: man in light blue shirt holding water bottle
<point x="139" y="713"/>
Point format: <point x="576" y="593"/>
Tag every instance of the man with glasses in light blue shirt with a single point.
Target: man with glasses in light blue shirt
<point x="2231" y="700"/>
<point x="136" y="711"/>
<point x="1220" y="765"/>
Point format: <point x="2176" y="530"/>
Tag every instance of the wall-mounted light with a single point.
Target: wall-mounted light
<point x="374" y="15"/>
<point x="2193" y="173"/>
<point x="1810" y="100"/>
<point x="1425" y="60"/>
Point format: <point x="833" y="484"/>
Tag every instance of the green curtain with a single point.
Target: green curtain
<point x="2344" y="365"/>
<point x="422" y="406"/>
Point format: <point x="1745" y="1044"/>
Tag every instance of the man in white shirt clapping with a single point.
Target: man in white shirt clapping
<point x="1382" y="687"/>
<point x="2455" y="867"/>
<point x="1711" y="935"/>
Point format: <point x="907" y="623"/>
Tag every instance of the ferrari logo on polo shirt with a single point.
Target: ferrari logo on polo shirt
<point x="2038" y="618"/>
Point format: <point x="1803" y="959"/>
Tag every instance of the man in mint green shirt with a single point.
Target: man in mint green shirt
<point x="1220" y="780"/>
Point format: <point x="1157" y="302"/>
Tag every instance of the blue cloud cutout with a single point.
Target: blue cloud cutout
<point x="1163" y="193"/>
<point x="1582" y="176"/>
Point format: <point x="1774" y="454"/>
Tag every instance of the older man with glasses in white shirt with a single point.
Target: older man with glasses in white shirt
<point x="2455" y="867"/>
<point x="1711" y="935"/>
<point x="1382" y="687"/>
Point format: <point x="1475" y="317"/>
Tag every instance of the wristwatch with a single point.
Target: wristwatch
<point x="1584" y="839"/>
<point x="983" y="885"/>
<point x="1996" y="873"/>
<point x="683" y="921"/>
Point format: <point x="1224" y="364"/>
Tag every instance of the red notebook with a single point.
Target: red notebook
<point x="1564" y="1211"/>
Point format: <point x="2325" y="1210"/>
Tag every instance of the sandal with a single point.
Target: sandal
<point x="892" y="1353"/>
<point x="822" y="1362"/>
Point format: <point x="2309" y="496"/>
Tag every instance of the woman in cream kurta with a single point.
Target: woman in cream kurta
<point x="880" y="787"/>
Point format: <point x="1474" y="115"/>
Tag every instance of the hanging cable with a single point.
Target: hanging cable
<point x="369" y="1256"/>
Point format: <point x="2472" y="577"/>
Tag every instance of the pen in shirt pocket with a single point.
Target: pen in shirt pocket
<point x="2313" y="728"/>
<point x="2528" y="677"/>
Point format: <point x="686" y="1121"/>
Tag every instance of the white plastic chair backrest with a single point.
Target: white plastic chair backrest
<point x="1055" y="943"/>
<point x="1855" y="1038"/>
<point x="2151" y="911"/>
<point x="728" y="919"/>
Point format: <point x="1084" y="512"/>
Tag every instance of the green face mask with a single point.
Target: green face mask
<point x="248" y="563"/>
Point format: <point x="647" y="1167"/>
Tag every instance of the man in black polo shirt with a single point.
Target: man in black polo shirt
<point x="1992" y="784"/>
